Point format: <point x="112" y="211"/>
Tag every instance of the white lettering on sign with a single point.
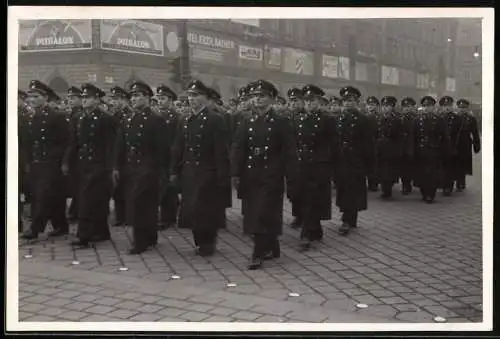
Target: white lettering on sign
<point x="209" y="41"/>
<point x="133" y="43"/>
<point x="51" y="40"/>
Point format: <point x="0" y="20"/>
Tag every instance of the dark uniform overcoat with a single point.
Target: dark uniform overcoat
<point x="355" y="161"/>
<point x="141" y="154"/>
<point x="317" y="151"/>
<point x="468" y="140"/>
<point x="200" y="159"/>
<point x="90" y="156"/>
<point x="263" y="155"/>
<point x="389" y="147"/>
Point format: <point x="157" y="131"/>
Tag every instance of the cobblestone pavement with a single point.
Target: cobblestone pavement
<point x="408" y="261"/>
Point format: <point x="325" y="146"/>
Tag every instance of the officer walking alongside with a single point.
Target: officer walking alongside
<point x="355" y="161"/>
<point x="468" y="140"/>
<point x="263" y="155"/>
<point x="317" y="151"/>
<point x="120" y="101"/>
<point x="169" y="201"/>
<point x="389" y="138"/>
<point x="141" y="154"/>
<point x="89" y="155"/>
<point x="408" y="106"/>
<point x="200" y="161"/>
<point x="46" y="134"/>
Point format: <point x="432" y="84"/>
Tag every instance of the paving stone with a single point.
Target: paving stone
<point x="440" y="311"/>
<point x="68" y="294"/>
<point x="240" y="304"/>
<point x="23" y="315"/>
<point x="392" y="300"/>
<point x="51" y="311"/>
<point x="383" y="311"/>
<point x="47" y="291"/>
<point x="149" y="308"/>
<point x="173" y="303"/>
<point x="97" y="318"/>
<point x="86" y="297"/>
<point x="72" y="315"/>
<point x="194" y="316"/>
<point x="123" y="313"/>
<point x="270" y="319"/>
<point x="224" y="311"/>
<point x="171" y="312"/>
<point x="406" y="307"/>
<point x="37" y="299"/>
<point x="244" y="315"/>
<point x="382" y="293"/>
<point x="107" y="301"/>
<point x="146" y="317"/>
<point x="307" y="316"/>
<point x="58" y="302"/>
<point x="173" y="320"/>
<point x="32" y="307"/>
<point x="130" y="305"/>
<point x="99" y="309"/>
<point x="41" y="318"/>
<point x="417" y="317"/>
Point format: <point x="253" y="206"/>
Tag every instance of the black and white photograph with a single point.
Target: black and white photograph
<point x="218" y="169"/>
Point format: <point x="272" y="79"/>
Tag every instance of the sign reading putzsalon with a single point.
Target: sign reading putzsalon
<point x="132" y="36"/>
<point x="54" y="35"/>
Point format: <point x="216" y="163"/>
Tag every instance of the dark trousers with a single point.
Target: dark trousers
<point x="350" y="217"/>
<point x="169" y="205"/>
<point x="406" y="180"/>
<point x="312" y="229"/>
<point x="204" y="238"/>
<point x="387" y="188"/>
<point x="263" y="244"/>
<point x="428" y="191"/>
<point x="461" y="181"/>
<point x="119" y="199"/>
<point x="57" y="216"/>
<point x="20" y="226"/>
<point x="89" y="229"/>
<point x="372" y="182"/>
<point x="73" y="208"/>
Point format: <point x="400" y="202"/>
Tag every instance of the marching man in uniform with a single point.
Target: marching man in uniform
<point x="169" y="201"/>
<point x="408" y="106"/>
<point x="453" y="124"/>
<point x="355" y="161"/>
<point x="373" y="113"/>
<point x="141" y="154"/>
<point x="263" y="156"/>
<point x="200" y="161"/>
<point x="317" y="151"/>
<point x="89" y="155"/>
<point x="46" y="134"/>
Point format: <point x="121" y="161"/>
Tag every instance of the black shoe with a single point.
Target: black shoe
<point x="305" y="244"/>
<point x="429" y="200"/>
<point x="206" y="251"/>
<point x="136" y="250"/>
<point x="101" y="238"/>
<point x="118" y="223"/>
<point x="373" y="188"/>
<point x="459" y="189"/>
<point x="446" y="192"/>
<point x="386" y="195"/>
<point x="344" y="229"/>
<point x="255" y="264"/>
<point x="57" y="233"/>
<point x="80" y="244"/>
<point x="29" y="235"/>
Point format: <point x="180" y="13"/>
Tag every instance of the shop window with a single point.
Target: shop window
<point x="59" y="85"/>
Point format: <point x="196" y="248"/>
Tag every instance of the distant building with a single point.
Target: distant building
<point x="380" y="56"/>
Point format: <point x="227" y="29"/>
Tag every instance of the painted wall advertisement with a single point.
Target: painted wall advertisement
<point x="361" y="71"/>
<point x="132" y="36"/>
<point x="250" y="57"/>
<point x="422" y="81"/>
<point x="54" y="35"/>
<point x="390" y="75"/>
<point x="210" y="48"/>
<point x="298" y="62"/>
<point x="272" y="57"/>
<point x="330" y="66"/>
<point x="407" y="78"/>
<point x="450" y="84"/>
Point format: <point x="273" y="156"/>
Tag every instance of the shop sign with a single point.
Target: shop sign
<point x="132" y="36"/>
<point x="210" y="48"/>
<point x="272" y="57"/>
<point x="298" y="61"/>
<point x="251" y="57"/>
<point x="54" y="35"/>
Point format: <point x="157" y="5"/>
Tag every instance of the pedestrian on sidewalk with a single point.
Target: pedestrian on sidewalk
<point x="263" y="156"/>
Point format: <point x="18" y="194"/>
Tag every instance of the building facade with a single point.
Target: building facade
<point x="380" y="56"/>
